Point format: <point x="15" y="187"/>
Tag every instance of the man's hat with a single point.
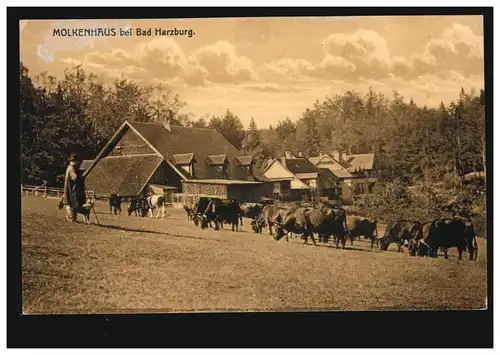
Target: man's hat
<point x="73" y="157"/>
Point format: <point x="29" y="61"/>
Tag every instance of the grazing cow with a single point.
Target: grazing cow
<point x="401" y="233"/>
<point x="361" y="226"/>
<point x="295" y="221"/>
<point x="115" y="204"/>
<point x="446" y="233"/>
<point x="269" y="215"/>
<point x="199" y="210"/>
<point x="156" y="202"/>
<point x="307" y="221"/>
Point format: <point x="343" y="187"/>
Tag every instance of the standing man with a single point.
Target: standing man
<point x="74" y="187"/>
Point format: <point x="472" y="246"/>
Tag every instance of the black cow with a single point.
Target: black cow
<point x="199" y="210"/>
<point x="223" y="211"/>
<point x="270" y="215"/>
<point x="361" y="226"/>
<point x="446" y="233"/>
<point x="115" y="204"/>
<point x="139" y="206"/>
<point x="400" y="232"/>
<point x="336" y="226"/>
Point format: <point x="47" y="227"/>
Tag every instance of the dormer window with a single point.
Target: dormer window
<point x="245" y="162"/>
<point x="219" y="163"/>
<point x="185" y="162"/>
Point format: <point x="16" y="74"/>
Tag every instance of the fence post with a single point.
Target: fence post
<point x="45" y="191"/>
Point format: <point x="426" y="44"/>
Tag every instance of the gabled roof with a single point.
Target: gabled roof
<point x="123" y="175"/>
<point x="360" y="161"/>
<point x="219" y="159"/>
<point x="300" y="166"/>
<point x="182" y="159"/>
<point x="325" y="158"/>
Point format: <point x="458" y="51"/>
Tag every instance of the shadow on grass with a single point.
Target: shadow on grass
<point x="347" y="247"/>
<point x="141" y="230"/>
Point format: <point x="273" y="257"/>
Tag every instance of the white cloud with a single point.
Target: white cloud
<point x="162" y="58"/>
<point x="365" y="54"/>
<point x="222" y="65"/>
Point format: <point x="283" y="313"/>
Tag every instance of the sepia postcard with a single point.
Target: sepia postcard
<point x="253" y="164"/>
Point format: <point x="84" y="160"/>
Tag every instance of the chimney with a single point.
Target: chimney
<point x="300" y="154"/>
<point x="283" y="160"/>
<point x="288" y="154"/>
<point x="320" y="153"/>
<point x="343" y="156"/>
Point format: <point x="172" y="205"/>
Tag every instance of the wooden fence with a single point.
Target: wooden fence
<point x="52" y="192"/>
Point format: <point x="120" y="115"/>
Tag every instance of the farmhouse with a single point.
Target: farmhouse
<point x="305" y="178"/>
<point x="144" y="157"/>
<point x="356" y="172"/>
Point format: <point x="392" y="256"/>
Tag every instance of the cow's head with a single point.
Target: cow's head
<point x="384" y="244"/>
<point x="255" y="226"/>
<point x="204" y="222"/>
<point x="280" y="231"/>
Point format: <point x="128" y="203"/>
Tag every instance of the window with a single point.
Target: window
<point x="188" y="168"/>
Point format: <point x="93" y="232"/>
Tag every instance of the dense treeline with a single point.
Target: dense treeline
<point x="415" y="144"/>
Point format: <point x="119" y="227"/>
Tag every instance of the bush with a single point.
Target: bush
<point x="395" y="201"/>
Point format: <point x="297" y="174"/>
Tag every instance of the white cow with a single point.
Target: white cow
<point x="156" y="202"/>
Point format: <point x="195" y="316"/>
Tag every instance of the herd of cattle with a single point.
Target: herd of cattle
<point x="327" y="221"/>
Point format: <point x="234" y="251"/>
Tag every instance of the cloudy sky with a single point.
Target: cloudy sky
<point x="275" y="67"/>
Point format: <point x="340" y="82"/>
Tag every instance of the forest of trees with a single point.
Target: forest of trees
<point x="78" y="113"/>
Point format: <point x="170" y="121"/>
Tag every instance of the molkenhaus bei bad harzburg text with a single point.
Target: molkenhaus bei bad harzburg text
<point x="84" y="32"/>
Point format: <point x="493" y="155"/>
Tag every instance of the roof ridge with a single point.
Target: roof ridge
<point x="173" y="125"/>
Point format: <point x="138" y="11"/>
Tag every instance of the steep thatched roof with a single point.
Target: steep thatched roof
<point x="202" y="142"/>
<point x="123" y="175"/>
